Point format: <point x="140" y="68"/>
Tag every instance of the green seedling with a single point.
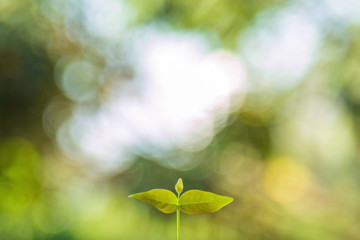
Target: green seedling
<point x="190" y="202"/>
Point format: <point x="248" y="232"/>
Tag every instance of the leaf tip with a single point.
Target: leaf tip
<point x="179" y="186"/>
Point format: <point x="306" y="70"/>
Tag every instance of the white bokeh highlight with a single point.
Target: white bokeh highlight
<point x="180" y="97"/>
<point x="280" y="48"/>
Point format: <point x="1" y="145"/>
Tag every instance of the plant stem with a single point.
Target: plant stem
<point x="178" y="218"/>
<point x="178" y="223"/>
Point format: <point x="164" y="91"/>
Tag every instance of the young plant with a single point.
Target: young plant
<point x="190" y="202"/>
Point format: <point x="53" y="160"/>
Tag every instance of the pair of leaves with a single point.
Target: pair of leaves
<point x="191" y="202"/>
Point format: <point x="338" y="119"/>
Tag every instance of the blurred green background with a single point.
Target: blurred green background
<point x="258" y="100"/>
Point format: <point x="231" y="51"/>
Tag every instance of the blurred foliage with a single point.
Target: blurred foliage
<point x="224" y="18"/>
<point x="290" y="158"/>
<point x="26" y="84"/>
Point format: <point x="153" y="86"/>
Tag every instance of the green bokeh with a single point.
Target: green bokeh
<point x="289" y="158"/>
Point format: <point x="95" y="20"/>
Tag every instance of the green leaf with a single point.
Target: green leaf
<point x="162" y="199"/>
<point x="179" y="186"/>
<point x="197" y="202"/>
